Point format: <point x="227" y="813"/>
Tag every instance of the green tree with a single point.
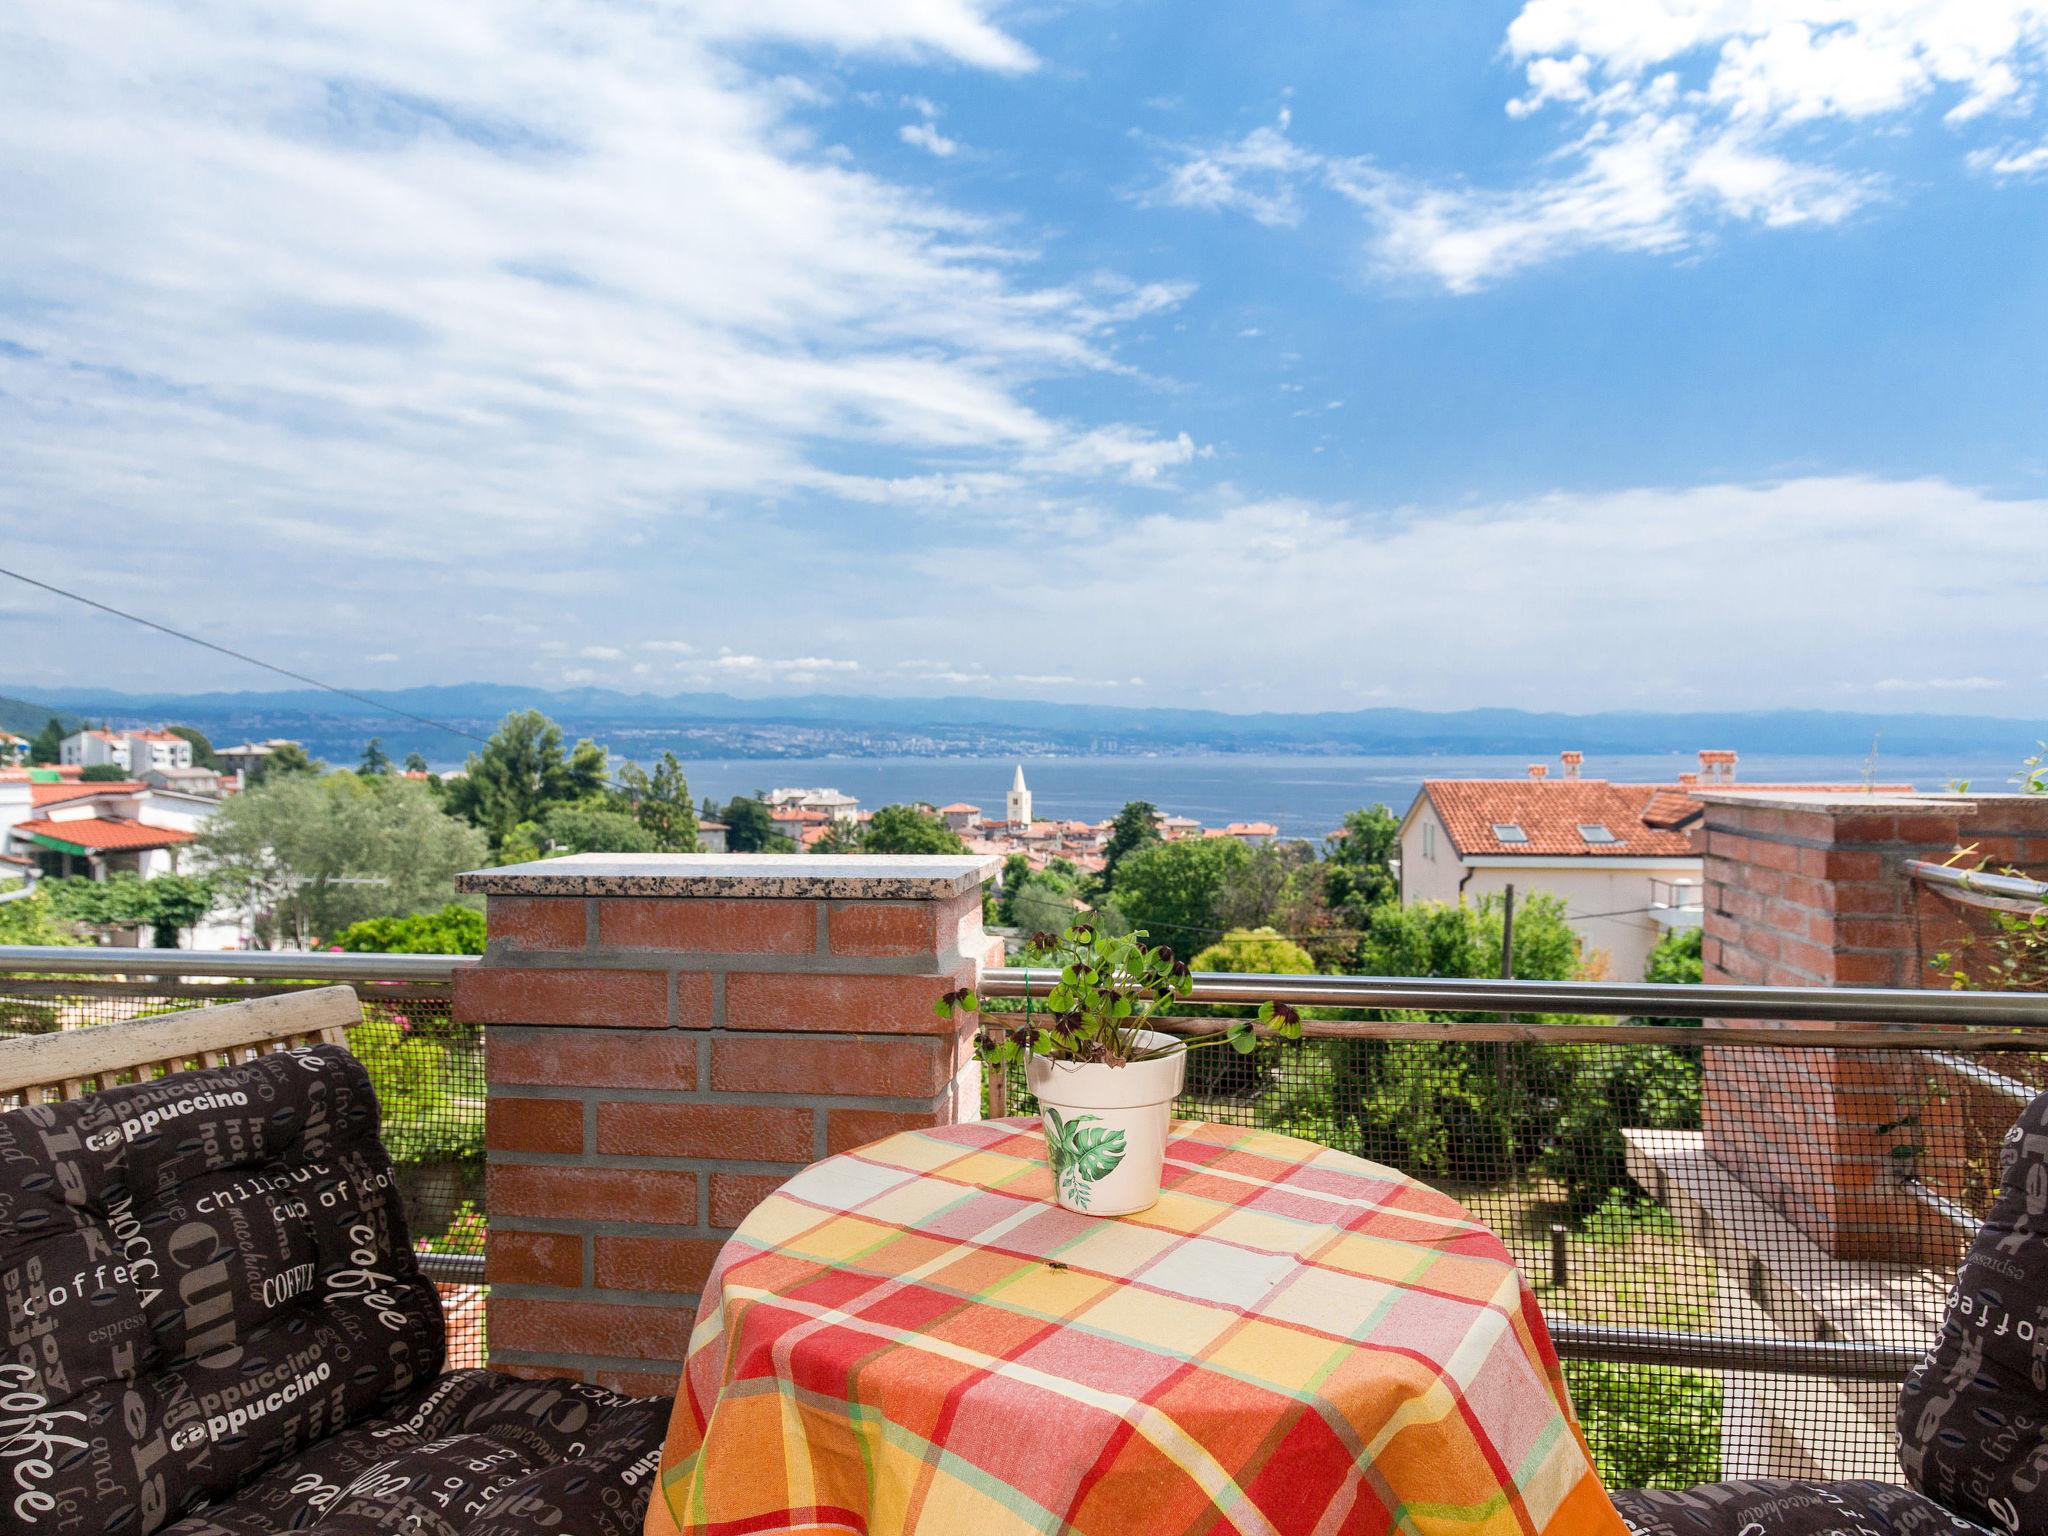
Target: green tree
<point x="48" y="745"/>
<point x="175" y="904"/>
<point x="1279" y="886"/>
<point x="453" y="930"/>
<point x="1016" y="870"/>
<point x="1255" y="950"/>
<point x="202" y="749"/>
<point x="31" y="919"/>
<point x="1136" y="825"/>
<point x="103" y="773"/>
<point x="1675" y="958"/>
<point x="375" y="759"/>
<point x="166" y="905"/>
<point x="909" y="829"/>
<point x="661" y="803"/>
<point x="414" y="763"/>
<point x="285" y="759"/>
<point x="1170" y="890"/>
<point x="750" y="829"/>
<point x="523" y="771"/>
<point x="1046" y="902"/>
<point x="309" y="856"/>
<point x="589" y="829"/>
<point x="1358" y="873"/>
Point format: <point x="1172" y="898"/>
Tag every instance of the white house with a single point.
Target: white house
<point x="60" y="824"/>
<point x="1623" y="857"/>
<point x="133" y="750"/>
<point x="831" y="802"/>
<point x="13" y="748"/>
<point x="959" y="816"/>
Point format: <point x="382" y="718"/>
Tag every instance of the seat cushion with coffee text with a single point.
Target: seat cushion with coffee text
<point x="204" y="1275"/>
<point x="1973" y="1417"/>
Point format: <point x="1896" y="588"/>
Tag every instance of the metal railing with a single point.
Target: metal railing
<point x="1608" y="999"/>
<point x="1980" y="888"/>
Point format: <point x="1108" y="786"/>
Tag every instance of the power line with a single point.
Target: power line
<point x="297" y="677"/>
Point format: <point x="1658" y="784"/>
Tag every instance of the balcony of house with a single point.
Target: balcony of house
<point x="1677" y="903"/>
<point x="1740" y="1205"/>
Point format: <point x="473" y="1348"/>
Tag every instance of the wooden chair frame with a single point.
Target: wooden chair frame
<point x="35" y="1069"/>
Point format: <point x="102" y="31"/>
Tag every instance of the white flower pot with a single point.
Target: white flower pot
<point x="1105" y="1127"/>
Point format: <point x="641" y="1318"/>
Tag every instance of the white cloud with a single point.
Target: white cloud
<point x="562" y="276"/>
<point x="676" y="647"/>
<point x="1971" y="684"/>
<point x="1681" y="117"/>
<point x="2012" y="160"/>
<point x="380" y="657"/>
<point x="769" y="666"/>
<point x="1135" y="455"/>
<point x="1255" y="599"/>
<point x="926" y="137"/>
<point x="600" y="653"/>
<point x="1257" y="175"/>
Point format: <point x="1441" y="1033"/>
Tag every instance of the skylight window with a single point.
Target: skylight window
<point x="1593" y="832"/>
<point x="1509" y="832"/>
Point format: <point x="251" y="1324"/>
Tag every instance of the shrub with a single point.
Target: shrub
<point x="454" y="930"/>
<point x="423" y="1122"/>
<point x="1648" y="1426"/>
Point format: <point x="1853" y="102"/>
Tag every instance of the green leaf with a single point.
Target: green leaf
<point x="1096" y="1150"/>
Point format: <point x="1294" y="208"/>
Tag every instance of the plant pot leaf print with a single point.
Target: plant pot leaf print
<point x="1081" y="1151"/>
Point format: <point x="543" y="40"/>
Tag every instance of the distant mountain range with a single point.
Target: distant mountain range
<point x="813" y="725"/>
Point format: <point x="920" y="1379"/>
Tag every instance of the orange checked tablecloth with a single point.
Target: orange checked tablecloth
<point x="913" y="1337"/>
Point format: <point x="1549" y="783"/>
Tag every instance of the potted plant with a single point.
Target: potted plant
<point x="1105" y="1081"/>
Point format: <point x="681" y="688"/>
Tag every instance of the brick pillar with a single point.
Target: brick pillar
<point x="670" y="1036"/>
<point x="1807" y="890"/>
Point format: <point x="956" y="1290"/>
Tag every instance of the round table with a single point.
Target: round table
<point x="913" y="1337"/>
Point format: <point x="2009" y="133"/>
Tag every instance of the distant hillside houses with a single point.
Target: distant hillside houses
<point x="1080" y="843"/>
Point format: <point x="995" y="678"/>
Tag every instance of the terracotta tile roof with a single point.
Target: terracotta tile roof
<point x="1550" y="813"/>
<point x="1646" y="820"/>
<point x="959" y="808"/>
<point x="1252" y="829"/>
<point x="56" y="794"/>
<point x="101" y="835"/>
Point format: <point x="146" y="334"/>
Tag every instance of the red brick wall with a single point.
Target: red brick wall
<point x="1811" y="891"/>
<point x="658" y="1063"/>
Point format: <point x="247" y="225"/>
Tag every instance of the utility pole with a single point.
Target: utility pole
<point x="1507" y="937"/>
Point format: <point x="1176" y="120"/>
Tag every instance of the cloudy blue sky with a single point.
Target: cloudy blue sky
<point x="1558" y="353"/>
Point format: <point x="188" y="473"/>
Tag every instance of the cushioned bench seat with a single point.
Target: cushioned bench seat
<point x="217" y="1324"/>
<point x="1781" y="1507"/>
<point x="475" y="1453"/>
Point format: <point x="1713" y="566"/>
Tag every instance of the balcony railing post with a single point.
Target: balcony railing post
<point x="668" y="1038"/>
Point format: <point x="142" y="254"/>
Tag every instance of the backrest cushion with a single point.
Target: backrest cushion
<point x="1973" y="1418"/>
<point x="202" y="1274"/>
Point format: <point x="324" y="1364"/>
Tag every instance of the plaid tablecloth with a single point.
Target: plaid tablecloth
<point x="913" y="1337"/>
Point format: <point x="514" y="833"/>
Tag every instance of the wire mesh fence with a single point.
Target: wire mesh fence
<point x="428" y="1072"/>
<point x="1740" y="1249"/>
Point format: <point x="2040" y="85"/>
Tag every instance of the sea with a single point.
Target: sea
<point x="1305" y="797"/>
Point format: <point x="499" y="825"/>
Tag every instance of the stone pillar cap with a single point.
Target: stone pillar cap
<point x="1879" y="801"/>
<point x="813" y="876"/>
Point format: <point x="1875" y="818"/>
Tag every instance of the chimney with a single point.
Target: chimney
<point x="1688" y="778"/>
<point x="1539" y="771"/>
<point x="1571" y="763"/>
<point x="1717" y="766"/>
